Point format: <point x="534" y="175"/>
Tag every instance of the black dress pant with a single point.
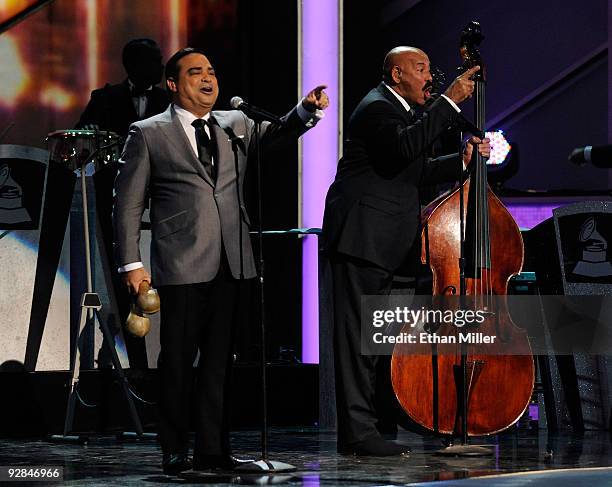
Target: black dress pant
<point x="197" y="316"/>
<point x="358" y="379"/>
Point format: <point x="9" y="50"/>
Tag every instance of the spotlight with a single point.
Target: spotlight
<point x="504" y="161"/>
<point x="500" y="148"/>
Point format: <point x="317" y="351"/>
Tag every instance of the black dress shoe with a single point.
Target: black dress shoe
<point x="175" y="463"/>
<point x="219" y="462"/>
<point x="388" y="430"/>
<point x="374" y="447"/>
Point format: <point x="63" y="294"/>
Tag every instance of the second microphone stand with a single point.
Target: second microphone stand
<point x="465" y="449"/>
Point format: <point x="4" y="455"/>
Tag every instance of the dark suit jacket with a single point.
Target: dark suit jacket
<point x="372" y="208"/>
<point x="111" y="108"/>
<point x="192" y="216"/>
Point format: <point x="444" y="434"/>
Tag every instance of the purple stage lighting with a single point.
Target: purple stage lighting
<point x="320" y="36"/>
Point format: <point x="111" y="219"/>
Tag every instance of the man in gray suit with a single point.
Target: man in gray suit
<point x="185" y="159"/>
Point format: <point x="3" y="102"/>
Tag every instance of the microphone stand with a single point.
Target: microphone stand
<point x="264" y="464"/>
<point x="237" y="142"/>
<point x="461" y="372"/>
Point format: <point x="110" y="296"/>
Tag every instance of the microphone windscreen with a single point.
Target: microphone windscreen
<point x="578" y="156"/>
<point x="236" y="101"/>
<point x="598" y="155"/>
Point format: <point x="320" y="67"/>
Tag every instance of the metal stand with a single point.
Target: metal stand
<point x="90" y="307"/>
<point x="6" y="129"/>
<point x="264" y="464"/>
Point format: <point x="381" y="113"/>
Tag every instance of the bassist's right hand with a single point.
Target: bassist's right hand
<point x="462" y="87"/>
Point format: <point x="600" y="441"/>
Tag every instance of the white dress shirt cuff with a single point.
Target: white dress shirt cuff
<point x="452" y="103"/>
<point x="310" y="119"/>
<point x="130" y="267"/>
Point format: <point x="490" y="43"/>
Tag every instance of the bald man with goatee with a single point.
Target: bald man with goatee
<point x="371" y="220"/>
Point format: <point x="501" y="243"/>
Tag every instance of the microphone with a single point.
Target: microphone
<point x="598" y="155"/>
<point x="461" y="123"/>
<point x="254" y="112"/>
<point x="466" y="125"/>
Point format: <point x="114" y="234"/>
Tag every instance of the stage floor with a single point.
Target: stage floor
<point x="106" y="461"/>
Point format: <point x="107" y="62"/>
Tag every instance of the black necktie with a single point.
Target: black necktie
<point x="205" y="146"/>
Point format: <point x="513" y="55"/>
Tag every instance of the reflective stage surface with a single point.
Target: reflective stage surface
<point x="107" y="461"/>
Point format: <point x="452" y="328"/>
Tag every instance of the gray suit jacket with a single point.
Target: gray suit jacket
<point x="191" y="216"/>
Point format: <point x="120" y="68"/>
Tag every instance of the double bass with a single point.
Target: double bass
<point x="496" y="382"/>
